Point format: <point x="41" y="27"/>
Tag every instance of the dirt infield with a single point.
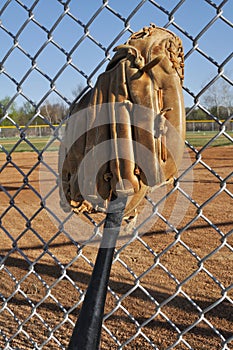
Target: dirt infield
<point x="193" y="285"/>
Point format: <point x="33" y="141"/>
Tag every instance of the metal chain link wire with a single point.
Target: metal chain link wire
<point x="152" y="302"/>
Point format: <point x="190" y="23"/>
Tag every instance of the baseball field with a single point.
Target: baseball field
<point x="170" y="288"/>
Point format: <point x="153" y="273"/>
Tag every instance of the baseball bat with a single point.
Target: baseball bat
<point x="87" y="331"/>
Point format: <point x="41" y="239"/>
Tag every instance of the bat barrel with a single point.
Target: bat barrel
<point x="87" y="331"/>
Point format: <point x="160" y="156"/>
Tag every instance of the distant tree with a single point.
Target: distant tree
<point x="54" y="112"/>
<point x="218" y="99"/>
<point x="10" y="111"/>
<point x="77" y="91"/>
<point x="195" y="114"/>
<point x="25" y="113"/>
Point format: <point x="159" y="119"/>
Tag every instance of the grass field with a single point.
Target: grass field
<point x="28" y="145"/>
<point x="197" y="139"/>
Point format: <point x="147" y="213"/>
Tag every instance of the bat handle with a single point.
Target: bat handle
<point x="87" y="331"/>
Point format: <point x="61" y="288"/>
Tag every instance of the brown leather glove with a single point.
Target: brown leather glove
<point x="126" y="135"/>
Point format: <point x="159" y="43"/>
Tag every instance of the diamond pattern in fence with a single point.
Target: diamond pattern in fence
<point x="171" y="281"/>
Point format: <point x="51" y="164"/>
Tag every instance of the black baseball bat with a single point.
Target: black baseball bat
<point x="87" y="331"/>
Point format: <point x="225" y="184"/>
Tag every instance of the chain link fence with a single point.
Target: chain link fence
<point x="171" y="283"/>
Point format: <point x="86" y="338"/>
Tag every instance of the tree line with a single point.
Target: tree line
<point x="49" y="112"/>
<point x="217" y="100"/>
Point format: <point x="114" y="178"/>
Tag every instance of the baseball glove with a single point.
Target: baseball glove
<point x="126" y="135"/>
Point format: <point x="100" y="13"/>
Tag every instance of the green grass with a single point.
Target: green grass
<point x="200" y="139"/>
<point x="197" y="139"/>
<point x="38" y="142"/>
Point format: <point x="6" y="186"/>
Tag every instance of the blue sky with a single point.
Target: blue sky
<point x="188" y="21"/>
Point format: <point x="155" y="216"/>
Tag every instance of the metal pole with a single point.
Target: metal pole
<point x="87" y="331"/>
